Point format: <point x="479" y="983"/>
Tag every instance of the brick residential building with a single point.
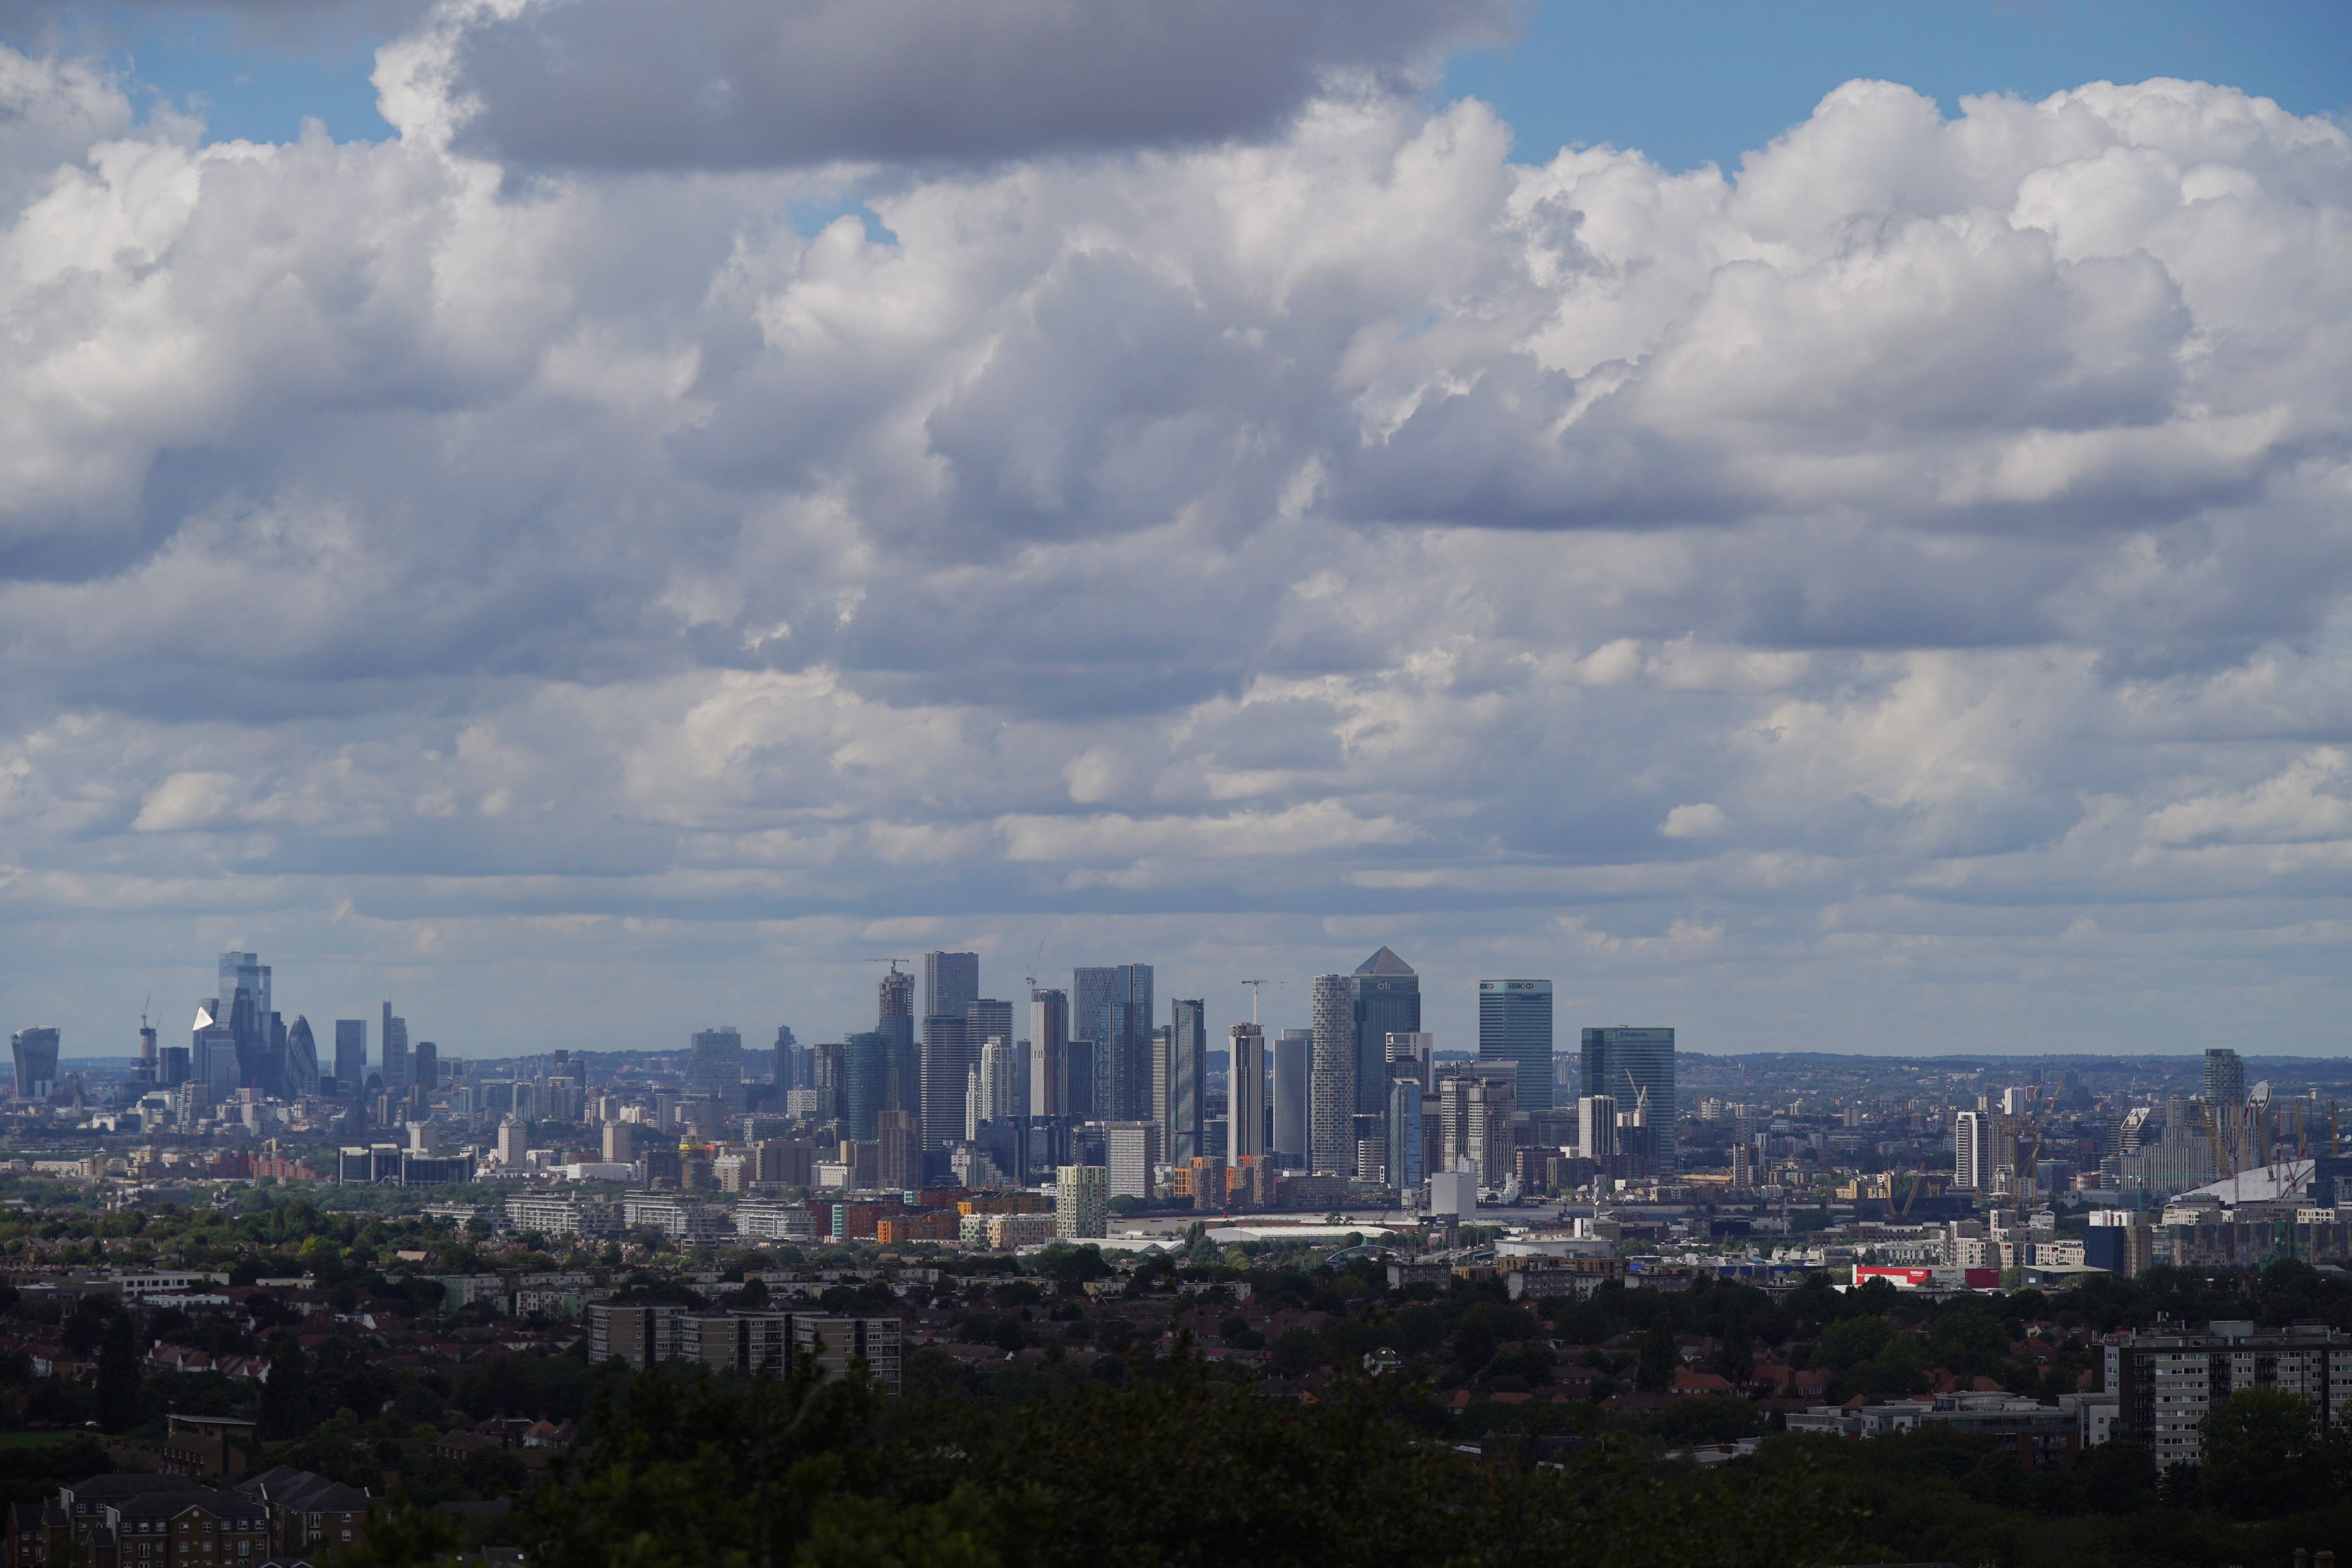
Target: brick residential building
<point x="159" y="1520"/>
<point x="38" y="1533"/>
<point x="200" y="1448"/>
<point x="309" y="1516"/>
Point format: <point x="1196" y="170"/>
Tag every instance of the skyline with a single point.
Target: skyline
<point x="593" y="550"/>
<point x="758" y="1042"/>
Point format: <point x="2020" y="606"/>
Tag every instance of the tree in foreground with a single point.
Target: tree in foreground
<point x="117" y="1375"/>
<point x="1171" y="1467"/>
<point x="286" y="1396"/>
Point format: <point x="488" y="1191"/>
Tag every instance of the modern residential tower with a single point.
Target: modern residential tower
<point x="867" y="1074"/>
<point x="895" y="1022"/>
<point x="1188" y="1082"/>
<point x="1049" y="1032"/>
<point x="1332" y="1088"/>
<point x="1293" y="1075"/>
<point x="946" y="1067"/>
<point x="1245" y="1094"/>
<point x="1112" y="1006"/>
<point x="2225" y="1079"/>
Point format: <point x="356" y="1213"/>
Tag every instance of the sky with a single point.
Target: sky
<point x="1823" y="525"/>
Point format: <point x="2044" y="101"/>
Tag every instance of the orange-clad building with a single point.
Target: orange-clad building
<point x="933" y="1224"/>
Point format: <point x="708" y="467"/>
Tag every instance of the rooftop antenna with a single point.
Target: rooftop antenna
<point x="1254" y="985"/>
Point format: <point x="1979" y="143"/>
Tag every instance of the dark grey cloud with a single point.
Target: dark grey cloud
<point x="277" y="23"/>
<point x="727" y="84"/>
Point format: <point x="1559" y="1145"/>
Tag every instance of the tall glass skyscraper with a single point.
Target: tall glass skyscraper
<point x="1188" y="1080"/>
<point x="396" y="1053"/>
<point x="212" y="1051"/>
<point x="950" y="983"/>
<point x="829" y="1077"/>
<point x="35" y="1054"/>
<point x="1079" y="1076"/>
<point x="245" y="1010"/>
<point x="946" y="1068"/>
<point x="1405" y="1151"/>
<point x="867" y="1094"/>
<point x="301" y="1058"/>
<point x="351" y="1056"/>
<point x="1515" y="1026"/>
<point x="985" y="1017"/>
<point x="1112" y="1006"/>
<point x="1293" y="1054"/>
<point x="1386" y="997"/>
<point x="1635" y="1067"/>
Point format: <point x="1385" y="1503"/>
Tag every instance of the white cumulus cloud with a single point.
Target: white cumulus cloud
<point x="1222" y="537"/>
<point x="1702" y="820"/>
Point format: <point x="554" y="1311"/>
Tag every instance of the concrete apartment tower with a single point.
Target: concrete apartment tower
<point x="1331" y="1090"/>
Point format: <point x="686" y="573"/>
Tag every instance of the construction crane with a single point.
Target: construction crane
<point x="1254" y="985"/>
<point x="2032" y="1158"/>
<point x="894" y="963"/>
<point x="1641" y="1096"/>
<point x="2217" y="1140"/>
<point x="1641" y="1119"/>
<point x="1910" y="1194"/>
<point x="1034" y="959"/>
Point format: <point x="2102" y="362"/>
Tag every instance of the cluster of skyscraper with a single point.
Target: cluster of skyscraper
<point x="1358" y="1094"/>
<point x="240" y="1041"/>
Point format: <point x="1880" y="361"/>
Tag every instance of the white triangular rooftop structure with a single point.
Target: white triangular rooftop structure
<point x="2263" y="1183"/>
